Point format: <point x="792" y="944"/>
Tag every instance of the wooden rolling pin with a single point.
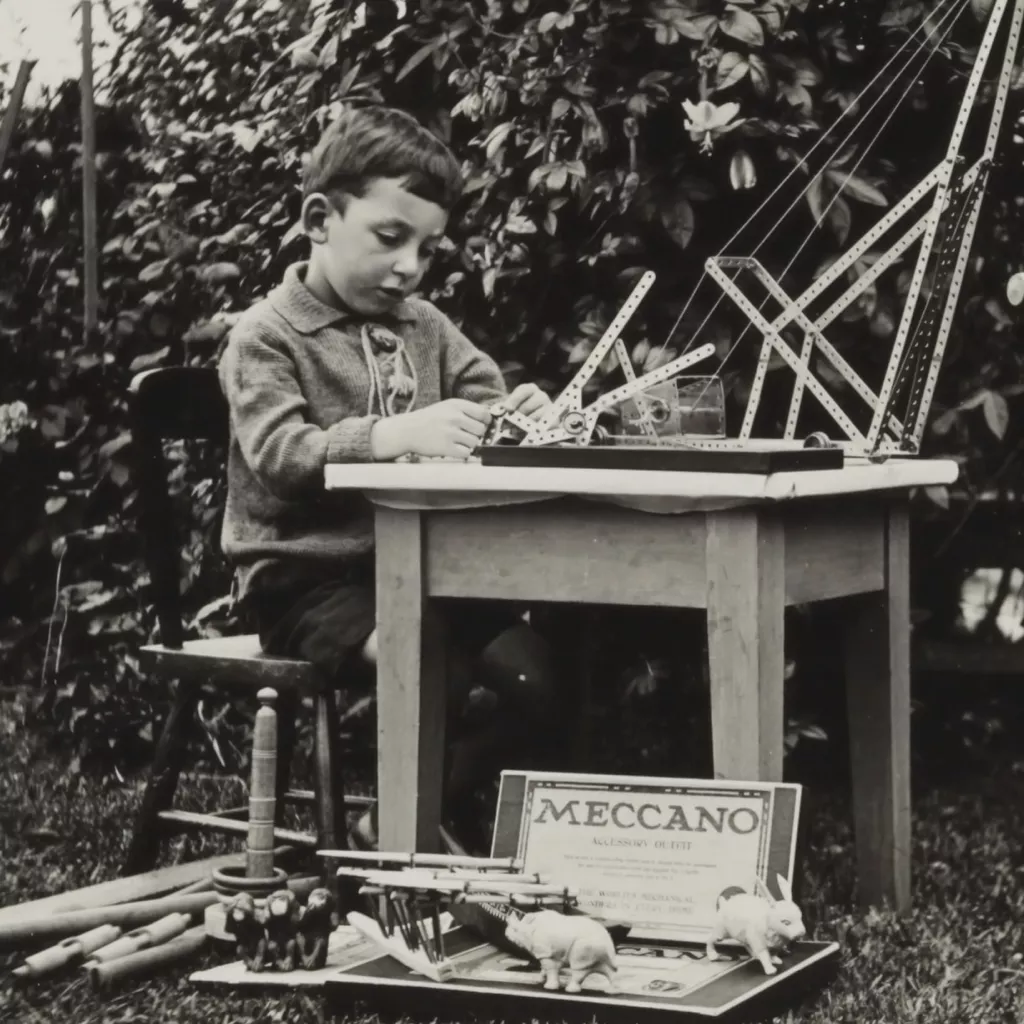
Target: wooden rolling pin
<point x="76" y="948"/>
<point x="155" y="934"/>
<point x="145" y="961"/>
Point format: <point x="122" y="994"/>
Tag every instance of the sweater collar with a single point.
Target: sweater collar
<point x="307" y="314"/>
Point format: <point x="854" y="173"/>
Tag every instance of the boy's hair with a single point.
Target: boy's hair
<point x="365" y="143"/>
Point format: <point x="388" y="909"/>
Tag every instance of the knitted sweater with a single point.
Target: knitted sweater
<point x="296" y="376"/>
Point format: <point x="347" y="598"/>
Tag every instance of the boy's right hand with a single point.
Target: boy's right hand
<point x="450" y="429"/>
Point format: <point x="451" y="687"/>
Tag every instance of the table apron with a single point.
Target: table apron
<point x="602" y="554"/>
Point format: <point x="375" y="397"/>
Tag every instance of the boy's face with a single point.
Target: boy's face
<point x="375" y="253"/>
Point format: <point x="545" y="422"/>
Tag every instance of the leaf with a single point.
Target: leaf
<point x="678" y="220"/>
<point x="295" y="231"/>
<point x="997" y="413"/>
<point x="329" y="54"/>
<point x="857" y="187"/>
<point x="742" y="25"/>
<point x="813" y="732"/>
<point x="427" y="49"/>
<point x="54" y="505"/>
<point x="248" y="138"/>
<point x="731" y="69"/>
<point x="938" y="496"/>
<point x="216" y="273"/>
<point x="111" y="448"/>
<point x="815" y="198"/>
<point x="760" y="77"/>
<point x="494" y="140"/>
<point x="153" y="271"/>
<point x="149" y="359"/>
<point x="742" y="173"/>
<point x="840" y="219"/>
<point x="520" y="225"/>
<point x="560" y="108"/>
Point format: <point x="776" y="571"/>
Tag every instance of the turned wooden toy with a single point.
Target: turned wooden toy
<point x="259" y="851"/>
<point x="259" y="878"/>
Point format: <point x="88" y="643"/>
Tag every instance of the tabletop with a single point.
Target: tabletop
<point x="435" y="483"/>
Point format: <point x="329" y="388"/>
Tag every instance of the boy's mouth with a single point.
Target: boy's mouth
<point x="392" y="294"/>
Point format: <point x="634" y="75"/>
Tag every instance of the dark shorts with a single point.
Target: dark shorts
<point x="325" y="615"/>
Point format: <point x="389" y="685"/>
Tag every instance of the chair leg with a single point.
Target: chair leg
<point x="287" y="709"/>
<point x="163" y="781"/>
<point x="330" y="790"/>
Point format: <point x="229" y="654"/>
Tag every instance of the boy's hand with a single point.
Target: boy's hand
<point x="527" y="399"/>
<point x="450" y="429"/>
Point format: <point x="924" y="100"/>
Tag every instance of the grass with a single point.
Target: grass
<point x="956" y="958"/>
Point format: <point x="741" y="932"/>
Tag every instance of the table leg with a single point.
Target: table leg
<point x="746" y="614"/>
<point x="878" y="700"/>
<point x="410" y="688"/>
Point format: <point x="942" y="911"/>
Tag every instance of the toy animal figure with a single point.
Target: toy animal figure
<point x="576" y="941"/>
<point x="315" y="926"/>
<point x="760" y="923"/>
<point x="281" y="925"/>
<point x="245" y="922"/>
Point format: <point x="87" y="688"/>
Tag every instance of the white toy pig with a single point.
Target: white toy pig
<point x="579" y="942"/>
<point x="760" y="923"/>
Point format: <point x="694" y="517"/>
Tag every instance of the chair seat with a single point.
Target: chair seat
<point x="228" y="660"/>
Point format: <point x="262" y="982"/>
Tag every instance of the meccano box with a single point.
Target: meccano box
<point x="649" y="856"/>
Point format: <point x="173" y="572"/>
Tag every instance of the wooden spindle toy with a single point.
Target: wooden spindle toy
<point x="259" y="853"/>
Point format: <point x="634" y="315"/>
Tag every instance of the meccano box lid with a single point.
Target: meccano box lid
<point x="653" y="853"/>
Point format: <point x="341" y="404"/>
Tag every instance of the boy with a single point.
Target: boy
<point x="341" y="364"/>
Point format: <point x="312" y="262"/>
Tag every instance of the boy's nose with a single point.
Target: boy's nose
<point x="407" y="263"/>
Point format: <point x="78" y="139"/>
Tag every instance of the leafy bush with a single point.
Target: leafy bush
<point x="600" y="138"/>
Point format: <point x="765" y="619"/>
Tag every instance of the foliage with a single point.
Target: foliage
<point x="599" y="138"/>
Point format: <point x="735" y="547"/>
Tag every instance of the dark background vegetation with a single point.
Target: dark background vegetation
<point x="582" y="173"/>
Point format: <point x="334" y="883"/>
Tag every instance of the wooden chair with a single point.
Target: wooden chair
<point x="186" y="403"/>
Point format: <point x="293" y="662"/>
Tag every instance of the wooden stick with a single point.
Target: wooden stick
<point x="90" y="254"/>
<point x="14" y="107"/>
<point x="511" y="899"/>
<point x="424" y="860"/>
<point x="126" y="915"/>
<point x="144" y="886"/>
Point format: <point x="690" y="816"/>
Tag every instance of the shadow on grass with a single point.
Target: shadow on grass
<point x="956" y="958"/>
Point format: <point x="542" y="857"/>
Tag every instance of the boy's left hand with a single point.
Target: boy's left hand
<point x="527" y="399"/>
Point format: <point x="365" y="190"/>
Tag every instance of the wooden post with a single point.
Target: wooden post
<point x="14" y="108"/>
<point x="90" y="254"/>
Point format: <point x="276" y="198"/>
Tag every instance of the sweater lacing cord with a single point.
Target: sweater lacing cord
<point x="392" y="374"/>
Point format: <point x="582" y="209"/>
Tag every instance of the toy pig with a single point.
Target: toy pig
<point x="760" y="923"/>
<point x="579" y="942"/>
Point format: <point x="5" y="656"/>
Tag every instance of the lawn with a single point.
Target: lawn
<point x="957" y="957"/>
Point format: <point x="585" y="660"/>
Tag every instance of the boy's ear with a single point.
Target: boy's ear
<point x="316" y="208"/>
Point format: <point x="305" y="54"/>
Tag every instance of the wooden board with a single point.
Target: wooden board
<point x="470" y="480"/>
<point x="346" y="948"/>
<point x="676" y="983"/>
<point x="664" y="459"/>
<point x="120" y="890"/>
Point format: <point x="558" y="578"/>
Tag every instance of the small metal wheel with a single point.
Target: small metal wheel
<point x="574" y="423"/>
<point x="658" y="410"/>
<point x="819" y="439"/>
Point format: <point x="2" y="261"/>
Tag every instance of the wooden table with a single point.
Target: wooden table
<point x="743" y="547"/>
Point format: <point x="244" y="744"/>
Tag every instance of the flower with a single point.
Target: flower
<point x="705" y="121"/>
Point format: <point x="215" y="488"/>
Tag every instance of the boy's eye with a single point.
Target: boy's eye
<point x="389" y="237"/>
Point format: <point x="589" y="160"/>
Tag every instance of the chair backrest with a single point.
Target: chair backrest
<point x="169" y="404"/>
